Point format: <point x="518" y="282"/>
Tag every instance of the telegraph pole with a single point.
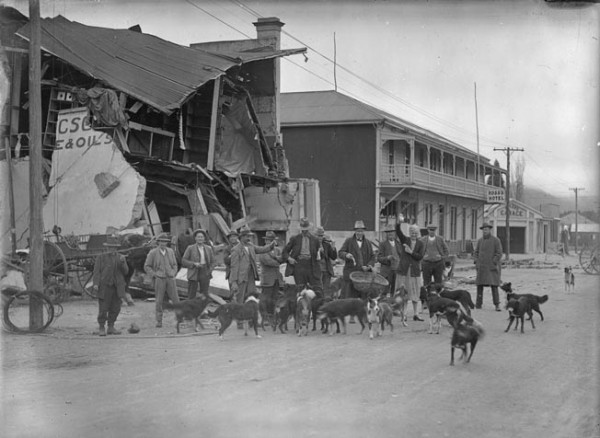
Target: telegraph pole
<point x="508" y="150"/>
<point x="576" y="190"/>
<point x="36" y="227"/>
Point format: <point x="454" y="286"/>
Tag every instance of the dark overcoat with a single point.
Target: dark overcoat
<point x="110" y="269"/>
<point x="364" y="255"/>
<point x="487" y="256"/>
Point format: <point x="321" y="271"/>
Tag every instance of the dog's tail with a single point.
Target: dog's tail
<point x="543" y="299"/>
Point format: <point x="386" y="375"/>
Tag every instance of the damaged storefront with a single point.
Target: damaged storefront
<point x="143" y="134"/>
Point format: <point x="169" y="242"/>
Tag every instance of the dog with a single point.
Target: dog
<point x="316" y="305"/>
<point x="517" y="308"/>
<point x="335" y="288"/>
<point x="399" y="303"/>
<point x="337" y="310"/>
<point x="534" y="300"/>
<point x="266" y="306"/>
<point x="246" y="313"/>
<point x="463" y="337"/>
<point x="460" y="295"/>
<point x="285" y="306"/>
<point x="569" y="280"/>
<point x="440" y="307"/>
<point x="303" y="310"/>
<point x="189" y="310"/>
<point x="378" y="314"/>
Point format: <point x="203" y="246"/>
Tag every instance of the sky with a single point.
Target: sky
<point x="535" y="66"/>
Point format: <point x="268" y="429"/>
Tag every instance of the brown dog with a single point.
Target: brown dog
<point x="189" y="310"/>
<point x="246" y="313"/>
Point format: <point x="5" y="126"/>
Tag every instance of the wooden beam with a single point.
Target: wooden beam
<point x="392" y="199"/>
<point x="210" y="161"/>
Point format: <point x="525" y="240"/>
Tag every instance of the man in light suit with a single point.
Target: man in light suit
<point x="244" y="271"/>
<point x="303" y="258"/>
<point x="161" y="264"/>
<point x="199" y="260"/>
<point x="109" y="274"/>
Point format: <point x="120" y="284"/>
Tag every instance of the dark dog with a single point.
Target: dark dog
<point x="189" y="310"/>
<point x="246" y="313"/>
<point x="399" y="303"/>
<point x="316" y="304"/>
<point x="569" y="279"/>
<point x="378" y="314"/>
<point x="463" y="336"/>
<point x="337" y="310"/>
<point x="517" y="308"/>
<point x="285" y="306"/>
<point x="534" y="300"/>
<point x="440" y="307"/>
<point x="460" y="295"/>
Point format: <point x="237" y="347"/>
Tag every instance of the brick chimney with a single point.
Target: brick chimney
<point x="268" y="32"/>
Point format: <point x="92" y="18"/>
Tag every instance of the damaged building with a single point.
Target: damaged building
<point x="139" y="132"/>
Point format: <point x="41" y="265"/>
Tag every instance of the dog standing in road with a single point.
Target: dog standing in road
<point x="569" y="280"/>
<point x="337" y="310"/>
<point x="189" y="310"/>
<point x="400" y="304"/>
<point x="460" y="295"/>
<point x="517" y="308"/>
<point x="463" y="336"/>
<point x="440" y="307"/>
<point x="378" y="314"/>
<point x="534" y="300"/>
<point x="246" y="313"/>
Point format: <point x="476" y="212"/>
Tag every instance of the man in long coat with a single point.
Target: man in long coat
<point x="109" y="274"/>
<point x="357" y="252"/>
<point x="199" y="260"/>
<point x="244" y="271"/>
<point x="302" y="255"/>
<point x="327" y="256"/>
<point x="388" y="256"/>
<point x="488" y="256"/>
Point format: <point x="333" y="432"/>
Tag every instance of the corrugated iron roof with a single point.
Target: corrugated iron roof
<point x="157" y="72"/>
<point x="331" y="107"/>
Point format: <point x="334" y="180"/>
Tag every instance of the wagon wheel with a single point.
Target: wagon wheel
<point x="55" y="266"/>
<point x="589" y="260"/>
<point x="85" y="272"/>
<point x="16" y="312"/>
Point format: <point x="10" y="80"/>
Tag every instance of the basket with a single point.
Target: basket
<point x="369" y="282"/>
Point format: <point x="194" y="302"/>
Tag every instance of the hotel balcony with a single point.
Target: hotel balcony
<point x="394" y="175"/>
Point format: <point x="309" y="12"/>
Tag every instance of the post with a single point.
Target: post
<point x="576" y="190"/>
<point x="508" y="150"/>
<point x="36" y="242"/>
<point x="11" y="198"/>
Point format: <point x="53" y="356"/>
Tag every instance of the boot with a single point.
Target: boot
<point x="101" y="331"/>
<point x="112" y="331"/>
<point x="417" y="318"/>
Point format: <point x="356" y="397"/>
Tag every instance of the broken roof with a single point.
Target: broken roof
<point x="331" y="107"/>
<point x="157" y="72"/>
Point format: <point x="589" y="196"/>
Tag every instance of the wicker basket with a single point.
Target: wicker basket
<point x="369" y="282"/>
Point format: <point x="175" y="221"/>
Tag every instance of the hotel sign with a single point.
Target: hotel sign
<point x="495" y="195"/>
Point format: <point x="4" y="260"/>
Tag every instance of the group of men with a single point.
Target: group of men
<point x="309" y="259"/>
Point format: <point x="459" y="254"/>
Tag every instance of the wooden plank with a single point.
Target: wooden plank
<point x="213" y="124"/>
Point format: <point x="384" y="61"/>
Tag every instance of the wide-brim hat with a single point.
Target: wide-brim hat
<point x="389" y="229"/>
<point x="431" y="227"/>
<point x="304" y="224"/>
<point x="327" y="238"/>
<point x="359" y="225"/>
<point x="246" y="232"/>
<point x="164" y="237"/>
<point x="112" y="241"/>
<point x="232" y="233"/>
<point x="485" y="225"/>
<point x="200" y="230"/>
<point x="320" y="231"/>
<point x="270" y="235"/>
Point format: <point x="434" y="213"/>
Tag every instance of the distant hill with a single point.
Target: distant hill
<point x="536" y="197"/>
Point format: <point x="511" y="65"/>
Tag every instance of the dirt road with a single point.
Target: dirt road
<point x="544" y="382"/>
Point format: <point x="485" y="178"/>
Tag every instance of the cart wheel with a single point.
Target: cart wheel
<point x="16" y="312"/>
<point x="84" y="277"/>
<point x="55" y="265"/>
<point x="589" y="260"/>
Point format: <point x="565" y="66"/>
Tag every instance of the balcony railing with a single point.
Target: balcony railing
<point x="431" y="179"/>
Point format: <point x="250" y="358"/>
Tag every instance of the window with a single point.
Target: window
<point x="441" y="228"/>
<point x="428" y="214"/>
<point x="453" y="222"/>
<point x="463" y="230"/>
<point x="473" y="224"/>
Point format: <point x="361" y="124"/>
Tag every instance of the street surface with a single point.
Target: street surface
<point x="543" y="383"/>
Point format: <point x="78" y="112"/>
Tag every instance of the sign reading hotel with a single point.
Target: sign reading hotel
<point x="495" y="195"/>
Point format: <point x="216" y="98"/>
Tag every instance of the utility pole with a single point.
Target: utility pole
<point x="576" y="190"/>
<point x="508" y="150"/>
<point x="36" y="227"/>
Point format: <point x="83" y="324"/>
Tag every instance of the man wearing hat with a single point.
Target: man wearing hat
<point x="302" y="257"/>
<point x="109" y="274"/>
<point x="270" y="276"/>
<point x="436" y="252"/>
<point x="328" y="255"/>
<point x="233" y="238"/>
<point x="199" y="260"/>
<point x="161" y="264"/>
<point x="488" y="256"/>
<point x="244" y="271"/>
<point x="357" y="252"/>
<point x="390" y="251"/>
